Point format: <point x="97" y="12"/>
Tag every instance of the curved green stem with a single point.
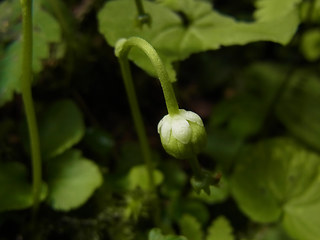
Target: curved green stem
<point x="27" y="99"/>
<point x="123" y="47"/>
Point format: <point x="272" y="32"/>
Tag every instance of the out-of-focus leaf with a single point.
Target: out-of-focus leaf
<point x="218" y="193"/>
<point x="60" y="127"/>
<point x="244" y="115"/>
<point x="298" y="109"/>
<point x="205" y="30"/>
<point x="310" y="11"/>
<point x="46" y="31"/>
<point x="220" y="229"/>
<point x="138" y="177"/>
<point x="285" y="177"/>
<point x="72" y="179"/>
<point x="180" y="207"/>
<point x="15" y="189"/>
<point x="271" y="233"/>
<point x="156" y="234"/>
<point x="190" y="227"/>
<point x="310" y="44"/>
<point x="268" y="10"/>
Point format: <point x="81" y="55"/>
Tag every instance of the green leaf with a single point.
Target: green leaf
<point x="220" y="229"/>
<point x="182" y="206"/>
<point x="298" y="109"/>
<point x="15" y="189"/>
<point x="286" y="177"/>
<point x="268" y="10"/>
<point x="310" y="44"/>
<point x="271" y="233"/>
<point x="217" y="194"/>
<point x="244" y="115"/>
<point x="46" y="31"/>
<point x="206" y="29"/>
<point x="190" y="227"/>
<point x="60" y="127"/>
<point x="155" y="234"/>
<point x="72" y="179"/>
<point x="138" y="177"/>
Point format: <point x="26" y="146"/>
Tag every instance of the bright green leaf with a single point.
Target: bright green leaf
<point x="220" y="229"/>
<point x="206" y="30"/>
<point x="15" y="189"/>
<point x="190" y="227"/>
<point x="72" y="179"/>
<point x="138" y="177"/>
<point x="268" y="10"/>
<point x="286" y="178"/>
<point x="60" y="127"/>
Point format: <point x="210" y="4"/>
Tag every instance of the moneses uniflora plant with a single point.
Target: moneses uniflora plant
<point x="182" y="132"/>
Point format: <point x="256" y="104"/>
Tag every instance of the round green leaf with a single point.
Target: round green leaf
<point x="60" y="127"/>
<point x="72" y="179"/>
<point x="279" y="180"/>
<point x="138" y="177"/>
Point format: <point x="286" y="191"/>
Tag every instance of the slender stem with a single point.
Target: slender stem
<point x="27" y="99"/>
<point x="137" y="118"/>
<point x="194" y="163"/>
<point x="122" y="51"/>
<point x="140" y="8"/>
<point x="138" y="122"/>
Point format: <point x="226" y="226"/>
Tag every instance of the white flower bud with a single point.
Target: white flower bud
<point x="183" y="134"/>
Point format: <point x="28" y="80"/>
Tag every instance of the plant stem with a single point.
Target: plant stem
<point x="137" y="118"/>
<point x="140" y="8"/>
<point x="122" y="51"/>
<point x="139" y="125"/>
<point x="194" y="163"/>
<point x="27" y="100"/>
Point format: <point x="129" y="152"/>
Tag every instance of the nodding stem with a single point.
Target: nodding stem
<point x="123" y="46"/>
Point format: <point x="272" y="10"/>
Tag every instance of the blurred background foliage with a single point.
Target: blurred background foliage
<point x="249" y="68"/>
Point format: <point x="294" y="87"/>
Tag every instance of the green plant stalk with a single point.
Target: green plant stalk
<point x="122" y="50"/>
<point x="140" y="8"/>
<point x="137" y="118"/>
<point x="195" y="166"/>
<point x="26" y="80"/>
